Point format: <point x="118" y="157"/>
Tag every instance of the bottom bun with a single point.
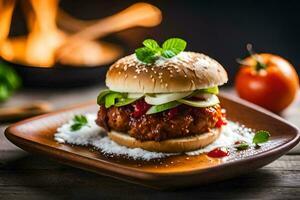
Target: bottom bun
<point x="176" y="145"/>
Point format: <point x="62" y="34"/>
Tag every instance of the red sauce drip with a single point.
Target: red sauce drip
<point x="218" y="153"/>
<point x="222" y="120"/>
<point x="140" y="108"/>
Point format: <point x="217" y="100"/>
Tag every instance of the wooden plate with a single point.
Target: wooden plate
<point x="36" y="135"/>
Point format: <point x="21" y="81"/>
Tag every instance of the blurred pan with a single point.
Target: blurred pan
<point x="62" y="75"/>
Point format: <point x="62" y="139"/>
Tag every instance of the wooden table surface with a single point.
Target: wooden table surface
<point x="26" y="176"/>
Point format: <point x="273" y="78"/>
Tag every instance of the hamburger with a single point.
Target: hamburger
<point x="163" y="99"/>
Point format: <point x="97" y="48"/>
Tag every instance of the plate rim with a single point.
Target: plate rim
<point x="138" y="173"/>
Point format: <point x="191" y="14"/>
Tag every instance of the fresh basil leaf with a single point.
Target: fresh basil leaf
<point x="172" y="47"/>
<point x="146" y="55"/>
<point x="151" y="44"/>
<point x="162" y="107"/>
<point x="242" y="146"/>
<point x="110" y="99"/>
<point x="261" y="137"/>
<point x="102" y="94"/>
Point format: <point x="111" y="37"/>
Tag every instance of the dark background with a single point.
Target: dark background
<point x="220" y="29"/>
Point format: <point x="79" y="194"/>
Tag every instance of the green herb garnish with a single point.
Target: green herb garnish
<point x="261" y="137"/>
<point x="152" y="51"/>
<point x="9" y="81"/>
<point x="242" y="146"/>
<point x="78" y="122"/>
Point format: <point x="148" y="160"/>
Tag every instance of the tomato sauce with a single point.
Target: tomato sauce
<point x="218" y="153"/>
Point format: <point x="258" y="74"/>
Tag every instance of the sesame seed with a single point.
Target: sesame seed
<point x="134" y="76"/>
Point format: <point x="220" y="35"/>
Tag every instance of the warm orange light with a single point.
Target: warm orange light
<point x="46" y="44"/>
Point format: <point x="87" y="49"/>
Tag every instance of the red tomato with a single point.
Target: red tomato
<point x="271" y="82"/>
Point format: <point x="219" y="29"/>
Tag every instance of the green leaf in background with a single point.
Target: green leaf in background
<point x="78" y="122"/>
<point x="261" y="137"/>
<point x="172" y="47"/>
<point x="4" y="92"/>
<point x="9" y="81"/>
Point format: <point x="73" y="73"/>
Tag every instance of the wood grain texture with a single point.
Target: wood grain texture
<point x="25" y="176"/>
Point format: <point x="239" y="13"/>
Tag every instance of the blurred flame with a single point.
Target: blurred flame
<point x="40" y="47"/>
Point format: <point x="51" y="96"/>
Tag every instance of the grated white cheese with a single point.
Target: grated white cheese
<point x="83" y="136"/>
<point x="95" y="136"/>
<point x="107" y="146"/>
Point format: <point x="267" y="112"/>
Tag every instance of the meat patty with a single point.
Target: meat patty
<point x="178" y="122"/>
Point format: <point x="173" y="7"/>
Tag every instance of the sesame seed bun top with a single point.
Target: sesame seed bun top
<point x="187" y="71"/>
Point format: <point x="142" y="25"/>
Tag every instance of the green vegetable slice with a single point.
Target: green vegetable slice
<point x="213" y="100"/>
<point x="103" y="93"/>
<point x="212" y="90"/>
<point x="158" y="99"/>
<point x="125" y="101"/>
<point x="162" y="107"/>
<point x="135" y="95"/>
<point x="110" y="99"/>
